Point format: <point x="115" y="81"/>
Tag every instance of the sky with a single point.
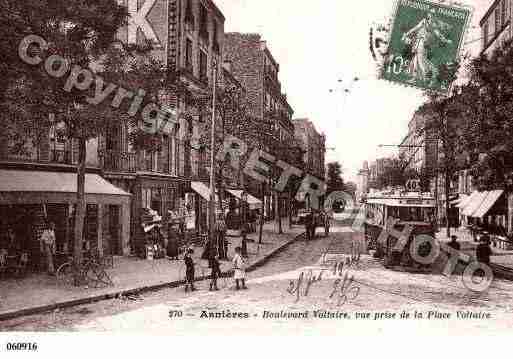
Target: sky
<point x="323" y="45"/>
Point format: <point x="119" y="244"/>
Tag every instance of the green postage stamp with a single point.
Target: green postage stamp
<point x="425" y="43"/>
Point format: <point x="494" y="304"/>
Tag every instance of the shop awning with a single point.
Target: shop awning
<point x="203" y="190"/>
<point x="462" y="201"/>
<point x="487" y="204"/>
<point x="475" y="200"/>
<point x="254" y="203"/>
<point x="55" y="187"/>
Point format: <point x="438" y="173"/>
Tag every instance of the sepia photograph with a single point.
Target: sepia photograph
<point x="262" y="168"/>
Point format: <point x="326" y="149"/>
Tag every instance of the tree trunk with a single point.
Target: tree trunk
<point x="80" y="210"/>
<point x="261" y="216"/>
<point x="277" y="209"/>
<point x="447" y="203"/>
<point x="290" y="209"/>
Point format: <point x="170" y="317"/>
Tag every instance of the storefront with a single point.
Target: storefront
<point x="30" y="198"/>
<point x="161" y="194"/>
<point x="487" y="209"/>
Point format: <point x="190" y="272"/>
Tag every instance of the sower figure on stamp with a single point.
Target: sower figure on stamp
<point x="421" y="37"/>
<point x="240" y="271"/>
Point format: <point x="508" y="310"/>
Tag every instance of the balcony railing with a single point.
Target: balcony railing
<point x="61" y="156"/>
<point x="119" y="161"/>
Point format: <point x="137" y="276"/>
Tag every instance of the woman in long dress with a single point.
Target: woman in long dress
<point x="239" y="267"/>
<point x="421" y="37"/>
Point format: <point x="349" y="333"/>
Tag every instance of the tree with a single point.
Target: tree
<point x="334" y="182"/>
<point x="442" y="131"/>
<point x="84" y="34"/>
<point x="487" y="104"/>
<point x="394" y="174"/>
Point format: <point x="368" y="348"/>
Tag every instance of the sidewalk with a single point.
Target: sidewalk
<point x="40" y="292"/>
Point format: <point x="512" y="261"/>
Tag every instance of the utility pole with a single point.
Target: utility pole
<point x="436" y="184"/>
<point x="211" y="203"/>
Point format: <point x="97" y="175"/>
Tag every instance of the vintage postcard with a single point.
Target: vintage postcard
<point x="223" y="168"/>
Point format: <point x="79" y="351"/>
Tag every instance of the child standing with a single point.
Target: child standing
<point x="215" y="271"/>
<point x="189" y="270"/>
<point x="239" y="267"/>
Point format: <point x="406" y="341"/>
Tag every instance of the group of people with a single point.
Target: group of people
<point x="239" y="267"/>
<point x="483" y="249"/>
<point x="312" y="220"/>
<point x="11" y="246"/>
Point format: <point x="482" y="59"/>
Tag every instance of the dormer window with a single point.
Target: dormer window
<point x="203" y="30"/>
<point x="189" y="15"/>
<point x="214" y="35"/>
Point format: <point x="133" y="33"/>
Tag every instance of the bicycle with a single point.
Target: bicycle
<point x="91" y="270"/>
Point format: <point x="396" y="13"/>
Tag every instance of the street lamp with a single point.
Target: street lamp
<point x="211" y="204"/>
<point x="244" y="229"/>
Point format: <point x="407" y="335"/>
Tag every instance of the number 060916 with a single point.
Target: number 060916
<point x="21" y="346"/>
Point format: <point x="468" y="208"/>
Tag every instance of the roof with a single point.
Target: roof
<point x="488" y="12"/>
<point x="65" y="182"/>
<point x="410" y="199"/>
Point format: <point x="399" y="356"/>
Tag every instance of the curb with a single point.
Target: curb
<point x="133" y="291"/>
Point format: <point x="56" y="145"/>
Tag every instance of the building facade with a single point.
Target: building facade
<point x="187" y="37"/>
<point x="418" y="146"/>
<point x="254" y="66"/>
<point x="313" y="145"/>
<point x="496" y="25"/>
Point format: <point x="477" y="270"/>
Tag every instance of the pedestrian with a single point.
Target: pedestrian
<point x="215" y="271"/>
<point x="239" y="268"/>
<point x="313" y="224"/>
<point x="172" y="243"/>
<point x="308" y="225"/>
<point x="454" y="243"/>
<point x="48" y="246"/>
<point x="189" y="270"/>
<point x="483" y="250"/>
<point x="326" y="223"/>
<point x="220" y="236"/>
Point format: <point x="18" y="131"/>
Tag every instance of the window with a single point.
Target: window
<point x="214" y="35"/>
<point x="497" y="20"/>
<point x="504" y="14"/>
<point x="188" y="55"/>
<point x="189" y="16"/>
<point x="203" y="30"/>
<point x="203" y="65"/>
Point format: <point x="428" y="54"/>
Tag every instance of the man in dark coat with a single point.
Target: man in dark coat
<point x="308" y="225"/>
<point x="483" y="250"/>
<point x="189" y="270"/>
<point x="454" y="243"/>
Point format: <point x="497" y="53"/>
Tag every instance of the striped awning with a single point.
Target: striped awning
<point x="474" y="202"/>
<point x="491" y="198"/>
<point x="254" y="203"/>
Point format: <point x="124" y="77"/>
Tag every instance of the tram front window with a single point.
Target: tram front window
<point x="408" y="214"/>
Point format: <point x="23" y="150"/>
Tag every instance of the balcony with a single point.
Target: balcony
<point x="61" y="156"/>
<point x="118" y="161"/>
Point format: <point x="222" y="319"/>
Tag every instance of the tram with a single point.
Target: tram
<point x="406" y="208"/>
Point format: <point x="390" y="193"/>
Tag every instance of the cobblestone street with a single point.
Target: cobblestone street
<point x="381" y="292"/>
